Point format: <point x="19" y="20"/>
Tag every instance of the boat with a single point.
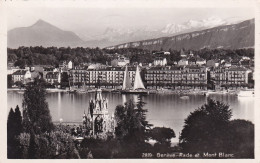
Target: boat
<point x="79" y="139"/>
<point x="140" y="91"/>
<point x="246" y="93"/>
<point x="106" y="90"/>
<point x="71" y="89"/>
<point x="91" y="90"/>
<point x="184" y="97"/>
<point x="20" y="92"/>
<point x="115" y="91"/>
<point x="153" y="91"/>
<point x="138" y="87"/>
<point x="82" y="89"/>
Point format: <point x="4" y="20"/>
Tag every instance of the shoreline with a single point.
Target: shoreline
<point x="152" y="91"/>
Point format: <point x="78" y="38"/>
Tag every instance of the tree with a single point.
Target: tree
<point x="206" y="129"/>
<point x="19" y="84"/>
<point x="18" y="120"/>
<point x="32" y="146"/>
<point x="163" y="137"/>
<point x="36" y="111"/>
<point x="11" y="57"/>
<point x="241" y="138"/>
<point x="9" y="81"/>
<point x="162" y="134"/>
<point x="10" y="134"/>
<point x="64" y="80"/>
<point x="132" y="129"/>
<point x="14" y="128"/>
<point x="141" y="116"/>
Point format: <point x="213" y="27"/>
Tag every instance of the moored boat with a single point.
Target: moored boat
<point x="246" y="93"/>
<point x="138" y="87"/>
<point x="184" y="97"/>
<point x="140" y="91"/>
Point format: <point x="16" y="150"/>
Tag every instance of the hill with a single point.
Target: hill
<point x="42" y="34"/>
<point x="235" y="36"/>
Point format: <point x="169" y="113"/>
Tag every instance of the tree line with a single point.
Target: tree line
<point x="207" y="129"/>
<point x="39" y="55"/>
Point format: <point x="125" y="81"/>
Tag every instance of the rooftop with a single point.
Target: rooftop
<point x="19" y="72"/>
<point x="237" y="69"/>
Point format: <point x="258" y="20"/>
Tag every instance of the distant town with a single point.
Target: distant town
<point x="167" y="71"/>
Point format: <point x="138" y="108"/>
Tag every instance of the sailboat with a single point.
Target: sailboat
<point x="138" y="83"/>
<point x="83" y="89"/>
<point x="71" y="89"/>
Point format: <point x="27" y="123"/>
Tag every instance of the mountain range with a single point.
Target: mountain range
<point x="234" y="36"/>
<point x="212" y="32"/>
<point x="113" y="36"/>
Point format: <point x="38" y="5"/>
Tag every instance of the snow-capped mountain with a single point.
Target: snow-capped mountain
<point x="112" y="36"/>
<point x="193" y="25"/>
<point x="234" y="36"/>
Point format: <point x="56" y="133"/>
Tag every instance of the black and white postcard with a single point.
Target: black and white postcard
<point x="144" y="80"/>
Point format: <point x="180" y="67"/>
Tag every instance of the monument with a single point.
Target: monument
<point x="97" y="121"/>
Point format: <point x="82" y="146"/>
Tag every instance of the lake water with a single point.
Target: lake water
<point x="163" y="109"/>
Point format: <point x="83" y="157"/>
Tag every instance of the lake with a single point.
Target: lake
<point x="167" y="110"/>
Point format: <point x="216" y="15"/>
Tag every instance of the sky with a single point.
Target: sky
<point x="94" y="21"/>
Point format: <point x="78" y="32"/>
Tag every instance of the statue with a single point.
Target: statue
<point x="84" y="120"/>
<point x="98" y="124"/>
<point x="91" y="107"/>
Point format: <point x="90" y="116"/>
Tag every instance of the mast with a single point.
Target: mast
<point x="138" y="84"/>
<point x="126" y="82"/>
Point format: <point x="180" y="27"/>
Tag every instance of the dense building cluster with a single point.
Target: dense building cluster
<point x="190" y="71"/>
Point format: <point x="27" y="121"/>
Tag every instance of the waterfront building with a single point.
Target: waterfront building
<point x="245" y="63"/>
<point x="237" y="75"/>
<point x="95" y="66"/>
<point x="70" y="65"/>
<point x="234" y="76"/>
<point x="183" y="55"/>
<point x="235" y="62"/>
<point x="200" y="61"/>
<point x="11" y="70"/>
<point x="159" y="61"/>
<point x="160" y="77"/>
<point x="111" y="77"/>
<point x="18" y="76"/>
<point x="38" y="68"/>
<point x="77" y="76"/>
<point x="120" y="61"/>
<point x="53" y="77"/>
<point x="183" y="62"/>
<point x="22" y="76"/>
<point x="227" y="64"/>
<point x="192" y="61"/>
<point x="66" y="65"/>
<point x="176" y="76"/>
<point x="195" y="76"/>
<point x="212" y="63"/>
<point x="167" y="53"/>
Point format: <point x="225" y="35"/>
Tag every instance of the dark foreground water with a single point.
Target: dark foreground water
<point x="163" y="110"/>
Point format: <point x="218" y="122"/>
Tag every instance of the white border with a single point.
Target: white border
<point x="4" y="5"/>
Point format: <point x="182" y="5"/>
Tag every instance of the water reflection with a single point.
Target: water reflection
<point x="163" y="110"/>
